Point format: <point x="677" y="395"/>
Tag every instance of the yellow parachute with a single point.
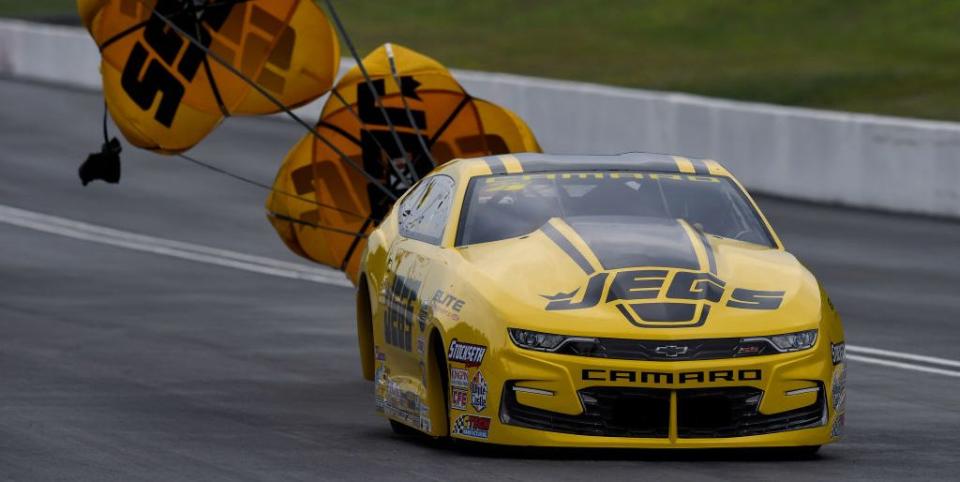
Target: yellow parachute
<point x="323" y="205"/>
<point x="163" y="91"/>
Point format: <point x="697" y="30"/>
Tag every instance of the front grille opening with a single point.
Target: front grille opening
<point x="645" y="413"/>
<point x="734" y="412"/>
<point x="607" y="411"/>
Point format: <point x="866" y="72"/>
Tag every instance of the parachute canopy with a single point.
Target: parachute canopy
<point x="166" y="94"/>
<point x="323" y="205"/>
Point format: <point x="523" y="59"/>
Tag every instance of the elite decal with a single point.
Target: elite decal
<point x="466" y="353"/>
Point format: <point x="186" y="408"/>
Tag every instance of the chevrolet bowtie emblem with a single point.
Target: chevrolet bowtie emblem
<point x="671" y="351"/>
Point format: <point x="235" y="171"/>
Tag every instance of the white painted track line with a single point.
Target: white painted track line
<point x="258" y="264"/>
<point x="903" y="356"/>
<point x="903" y="366"/>
<point x="178" y="249"/>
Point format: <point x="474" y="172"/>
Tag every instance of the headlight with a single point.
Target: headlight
<point x="535" y="340"/>
<point x="801" y="340"/>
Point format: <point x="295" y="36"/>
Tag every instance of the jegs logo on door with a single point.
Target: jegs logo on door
<point x="662" y="298"/>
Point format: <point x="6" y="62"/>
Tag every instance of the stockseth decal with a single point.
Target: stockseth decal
<point x="658" y="378"/>
<point x="458" y="398"/>
<point x="838" y="352"/>
<point x="466" y="353"/>
<point x="459" y="377"/>
<point x="478" y="392"/>
<point x="472" y="426"/>
<point x="661" y="298"/>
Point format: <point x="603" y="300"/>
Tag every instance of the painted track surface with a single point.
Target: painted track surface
<point x="124" y="365"/>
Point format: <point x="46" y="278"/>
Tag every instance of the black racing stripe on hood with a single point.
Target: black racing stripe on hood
<point x="630" y="242"/>
<point x="560" y="240"/>
<point x="711" y="259"/>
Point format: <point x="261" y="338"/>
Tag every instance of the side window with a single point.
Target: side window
<point x="409" y="203"/>
<point x="424" y="214"/>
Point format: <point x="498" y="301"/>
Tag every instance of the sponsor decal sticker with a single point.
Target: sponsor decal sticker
<point x="472" y="426"/>
<point x="838" y="352"/>
<point x="660" y="297"/>
<point x="458" y="398"/>
<point x="838" y="424"/>
<point x="423" y="315"/>
<point x="425" y="424"/>
<point x="839" y="389"/>
<point x="420" y="345"/>
<point x="447" y="304"/>
<point x="459" y="377"/>
<point x="402" y="404"/>
<point x="478" y="392"/>
<point x="466" y="353"/>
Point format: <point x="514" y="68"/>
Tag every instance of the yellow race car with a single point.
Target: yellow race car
<point x="638" y="300"/>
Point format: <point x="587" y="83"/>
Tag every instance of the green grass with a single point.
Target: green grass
<point x="899" y="57"/>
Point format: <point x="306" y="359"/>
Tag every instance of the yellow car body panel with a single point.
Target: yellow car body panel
<point x="435" y="338"/>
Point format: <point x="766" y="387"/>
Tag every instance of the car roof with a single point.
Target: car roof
<point x="631" y="161"/>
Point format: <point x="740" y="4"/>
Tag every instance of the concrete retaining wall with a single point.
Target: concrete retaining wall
<point x="859" y="160"/>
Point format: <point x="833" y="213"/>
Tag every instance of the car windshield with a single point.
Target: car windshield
<point x="506" y="206"/>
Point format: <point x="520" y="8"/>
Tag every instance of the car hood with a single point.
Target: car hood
<point x="657" y="279"/>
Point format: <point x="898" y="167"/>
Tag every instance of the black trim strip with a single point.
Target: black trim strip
<point x="355" y="243"/>
<point x="711" y="259"/>
<point x="496" y="165"/>
<point x="120" y="35"/>
<point x="453" y="115"/>
<point x="301" y="222"/>
<point x="567" y="247"/>
<point x="343" y="133"/>
<point x="704" y="313"/>
<point x="700" y="167"/>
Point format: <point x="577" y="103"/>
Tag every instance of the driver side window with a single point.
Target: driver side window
<point x="424" y="213"/>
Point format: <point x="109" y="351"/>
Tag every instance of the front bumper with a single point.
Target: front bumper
<point x="566" y="400"/>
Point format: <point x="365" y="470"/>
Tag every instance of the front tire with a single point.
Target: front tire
<point x="803" y="453"/>
<point x="403" y="430"/>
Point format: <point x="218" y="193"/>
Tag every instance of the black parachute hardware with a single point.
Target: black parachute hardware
<point x="103" y="165"/>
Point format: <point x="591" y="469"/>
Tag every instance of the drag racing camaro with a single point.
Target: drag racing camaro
<point x="639" y="300"/>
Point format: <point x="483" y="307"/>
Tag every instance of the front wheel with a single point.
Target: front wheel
<point x="805" y="452"/>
